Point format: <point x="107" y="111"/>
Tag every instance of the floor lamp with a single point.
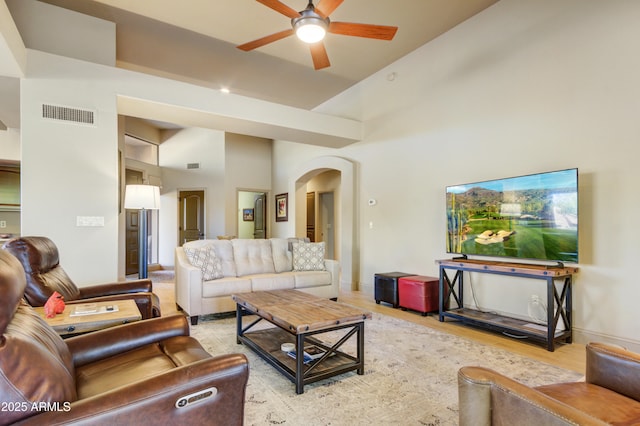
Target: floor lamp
<point x="142" y="198"/>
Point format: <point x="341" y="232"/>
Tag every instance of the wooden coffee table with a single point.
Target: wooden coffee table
<point x="299" y="319"/>
<point x="67" y="325"/>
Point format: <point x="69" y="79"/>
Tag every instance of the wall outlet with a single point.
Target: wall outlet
<point x="3" y="223"/>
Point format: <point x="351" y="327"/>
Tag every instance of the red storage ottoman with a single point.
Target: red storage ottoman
<point x="418" y="293"/>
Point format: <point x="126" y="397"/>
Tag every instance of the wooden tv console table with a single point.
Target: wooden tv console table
<point x="559" y="304"/>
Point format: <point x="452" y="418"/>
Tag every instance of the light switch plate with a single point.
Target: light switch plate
<point x="90" y="221"/>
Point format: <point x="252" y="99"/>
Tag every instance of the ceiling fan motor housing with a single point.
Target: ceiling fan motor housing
<point x="310" y="21"/>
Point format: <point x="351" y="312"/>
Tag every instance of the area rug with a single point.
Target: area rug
<point x="410" y="377"/>
<point x="162" y="276"/>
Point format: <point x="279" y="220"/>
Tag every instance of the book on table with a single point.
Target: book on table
<point x="311" y="353"/>
<point x="91" y="309"/>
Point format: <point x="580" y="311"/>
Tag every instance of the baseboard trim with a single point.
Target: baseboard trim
<point x="580" y="336"/>
<point x="585" y="336"/>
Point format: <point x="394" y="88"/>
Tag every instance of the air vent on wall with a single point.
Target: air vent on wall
<point x="73" y="115"/>
<point x="193" y="165"/>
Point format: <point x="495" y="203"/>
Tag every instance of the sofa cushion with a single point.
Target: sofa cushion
<point x="312" y="279"/>
<point x="282" y="260"/>
<point x="223" y="250"/>
<point x="308" y="256"/>
<point x="267" y="282"/>
<point x="206" y="259"/>
<point x="225" y="286"/>
<point x="252" y="257"/>
<point x="41" y="262"/>
<point x="137" y="365"/>
<point x="597" y="401"/>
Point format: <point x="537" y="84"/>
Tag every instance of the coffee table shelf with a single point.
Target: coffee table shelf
<point x="267" y="344"/>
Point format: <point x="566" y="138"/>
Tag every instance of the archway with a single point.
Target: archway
<point x="347" y="248"/>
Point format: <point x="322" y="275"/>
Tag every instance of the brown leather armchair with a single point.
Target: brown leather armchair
<point x="610" y="394"/>
<point x="41" y="262"/>
<point x="138" y="373"/>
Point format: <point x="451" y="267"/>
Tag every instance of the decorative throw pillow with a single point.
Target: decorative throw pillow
<point x="308" y="256"/>
<point x="206" y="259"/>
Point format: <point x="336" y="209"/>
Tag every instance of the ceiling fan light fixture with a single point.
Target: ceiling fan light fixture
<point x="310" y="32"/>
<point x="310" y="27"/>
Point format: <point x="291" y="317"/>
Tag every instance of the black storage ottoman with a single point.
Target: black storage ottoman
<point x="386" y="287"/>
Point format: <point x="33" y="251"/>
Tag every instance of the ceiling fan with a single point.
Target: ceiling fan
<point x="311" y="24"/>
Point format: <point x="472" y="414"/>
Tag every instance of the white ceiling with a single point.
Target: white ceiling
<point x="195" y="41"/>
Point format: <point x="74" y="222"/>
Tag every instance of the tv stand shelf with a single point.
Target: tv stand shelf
<point x="558" y="279"/>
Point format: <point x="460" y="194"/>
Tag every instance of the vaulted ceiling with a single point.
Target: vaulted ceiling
<point x="195" y="41"/>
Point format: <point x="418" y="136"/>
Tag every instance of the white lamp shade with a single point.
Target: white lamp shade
<point x="137" y="197"/>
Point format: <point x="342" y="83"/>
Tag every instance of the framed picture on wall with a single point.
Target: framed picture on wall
<point x="247" y="215"/>
<point x="282" y="207"/>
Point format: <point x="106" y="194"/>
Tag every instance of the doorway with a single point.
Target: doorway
<point x="311" y="216"/>
<point x="252" y="214"/>
<point x="132" y="177"/>
<point x="346" y="247"/>
<point x="192" y="216"/>
<point x="327" y="227"/>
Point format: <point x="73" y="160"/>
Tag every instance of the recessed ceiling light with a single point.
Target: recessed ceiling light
<point x="225" y="90"/>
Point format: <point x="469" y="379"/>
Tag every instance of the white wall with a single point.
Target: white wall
<point x="293" y="173"/>
<point x="247" y="167"/>
<point x="70" y="170"/>
<point x="192" y="145"/>
<point x="287" y="158"/>
<point x="523" y="87"/>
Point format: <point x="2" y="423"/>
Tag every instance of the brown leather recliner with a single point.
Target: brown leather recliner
<point x="147" y="372"/>
<point x="41" y="262"/>
<point x="610" y="394"/>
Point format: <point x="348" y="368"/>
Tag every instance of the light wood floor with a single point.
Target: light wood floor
<point x="568" y="356"/>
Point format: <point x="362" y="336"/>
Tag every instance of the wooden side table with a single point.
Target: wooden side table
<point x="66" y="324"/>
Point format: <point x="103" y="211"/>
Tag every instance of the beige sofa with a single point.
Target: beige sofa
<point x="209" y="272"/>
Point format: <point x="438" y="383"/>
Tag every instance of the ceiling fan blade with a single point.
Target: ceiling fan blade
<point x="265" y="40"/>
<point x="319" y="56"/>
<point x="381" y="32"/>
<point x="326" y="7"/>
<point x="280" y="7"/>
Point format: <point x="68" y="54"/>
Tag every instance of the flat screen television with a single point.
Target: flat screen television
<point x="531" y="217"/>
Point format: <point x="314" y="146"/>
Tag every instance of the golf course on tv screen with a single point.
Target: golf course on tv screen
<point x="525" y="217"/>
